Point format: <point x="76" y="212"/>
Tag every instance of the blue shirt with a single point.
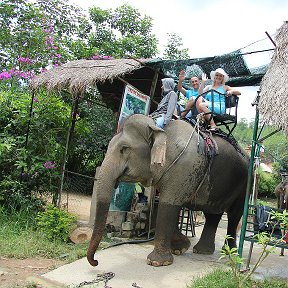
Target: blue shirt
<point x="191" y="93"/>
<point x="219" y="99"/>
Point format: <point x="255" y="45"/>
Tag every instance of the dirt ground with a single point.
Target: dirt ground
<point x="14" y="272"/>
<point x="77" y="204"/>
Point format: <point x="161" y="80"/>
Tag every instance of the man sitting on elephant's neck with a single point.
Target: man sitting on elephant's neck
<point x="163" y="114"/>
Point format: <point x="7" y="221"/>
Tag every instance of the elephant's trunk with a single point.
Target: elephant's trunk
<point x="99" y="228"/>
<point x="104" y="188"/>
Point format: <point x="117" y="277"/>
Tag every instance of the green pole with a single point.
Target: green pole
<point x="249" y="181"/>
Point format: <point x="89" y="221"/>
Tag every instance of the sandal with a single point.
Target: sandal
<point x="213" y="128"/>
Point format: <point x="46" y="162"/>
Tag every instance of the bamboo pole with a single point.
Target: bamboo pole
<point x="249" y="180"/>
<point x="68" y="140"/>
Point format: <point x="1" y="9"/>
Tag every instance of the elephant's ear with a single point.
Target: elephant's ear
<point x="158" y="150"/>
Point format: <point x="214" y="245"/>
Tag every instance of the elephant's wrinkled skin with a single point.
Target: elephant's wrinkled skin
<point x="135" y="155"/>
<point x="281" y="192"/>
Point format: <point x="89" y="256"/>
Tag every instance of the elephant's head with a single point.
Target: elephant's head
<point x="134" y="155"/>
<point x="281" y="192"/>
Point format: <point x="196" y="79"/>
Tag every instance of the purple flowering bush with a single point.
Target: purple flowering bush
<point x="32" y="169"/>
<point x="5" y="75"/>
<point x="35" y="167"/>
<point x="49" y="165"/>
<point x="101" y="57"/>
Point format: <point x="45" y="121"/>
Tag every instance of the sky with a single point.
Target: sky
<point x="213" y="27"/>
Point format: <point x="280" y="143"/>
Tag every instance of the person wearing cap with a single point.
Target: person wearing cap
<point x="163" y="114"/>
<point x="190" y="94"/>
<point x="219" y="78"/>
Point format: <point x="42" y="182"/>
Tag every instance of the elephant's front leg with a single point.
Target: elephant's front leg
<point x="161" y="255"/>
<point x="179" y="242"/>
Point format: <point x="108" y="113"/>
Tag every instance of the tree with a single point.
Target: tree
<point x="243" y="132"/>
<point x="119" y="33"/>
<point x="31" y="34"/>
<point x="173" y="48"/>
<point x="275" y="145"/>
<point x="34" y="34"/>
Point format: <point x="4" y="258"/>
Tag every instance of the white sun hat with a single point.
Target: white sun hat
<point x="220" y="71"/>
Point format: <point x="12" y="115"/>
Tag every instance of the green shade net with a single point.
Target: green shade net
<point x="233" y="63"/>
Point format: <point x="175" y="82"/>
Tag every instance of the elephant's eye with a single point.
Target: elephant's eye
<point x="124" y="148"/>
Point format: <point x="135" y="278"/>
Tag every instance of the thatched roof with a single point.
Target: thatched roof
<point x="78" y="75"/>
<point x="274" y="85"/>
<point x="110" y="77"/>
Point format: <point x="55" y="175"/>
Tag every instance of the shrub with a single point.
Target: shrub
<point x="267" y="184"/>
<point x="31" y="162"/>
<point x="15" y="196"/>
<point x="56" y="223"/>
<point x="31" y="165"/>
<point x="20" y="238"/>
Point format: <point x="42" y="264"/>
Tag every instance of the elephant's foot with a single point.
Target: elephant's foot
<point x="179" y="244"/>
<point x="204" y="248"/>
<point x="157" y="259"/>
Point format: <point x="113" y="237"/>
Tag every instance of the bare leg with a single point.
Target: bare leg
<point x="188" y="106"/>
<point x="203" y="107"/>
<point x="198" y="102"/>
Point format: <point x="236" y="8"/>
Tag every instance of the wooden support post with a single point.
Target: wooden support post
<point x="68" y="140"/>
<point x="154" y="83"/>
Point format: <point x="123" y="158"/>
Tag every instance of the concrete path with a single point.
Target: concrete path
<point x="128" y="263"/>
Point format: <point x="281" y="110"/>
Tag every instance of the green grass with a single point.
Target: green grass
<point x="20" y="238"/>
<point x="224" y="279"/>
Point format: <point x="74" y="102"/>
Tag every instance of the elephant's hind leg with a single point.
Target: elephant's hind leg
<point x="161" y="255"/>
<point x="206" y="244"/>
<point x="234" y="215"/>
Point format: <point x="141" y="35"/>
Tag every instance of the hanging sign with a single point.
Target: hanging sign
<point x="134" y="102"/>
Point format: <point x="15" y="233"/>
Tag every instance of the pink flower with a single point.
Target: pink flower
<point x="25" y="74"/>
<point x="25" y="60"/>
<point x="35" y="100"/>
<point x="5" y="75"/>
<point x="49" y="165"/>
<point x="17" y="73"/>
<point x="101" y="57"/>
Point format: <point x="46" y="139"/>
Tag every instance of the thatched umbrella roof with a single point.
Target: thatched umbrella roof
<point x="274" y="85"/>
<point x="78" y="75"/>
<point x="109" y="76"/>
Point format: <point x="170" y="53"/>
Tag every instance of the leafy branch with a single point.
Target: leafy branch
<point x="264" y="239"/>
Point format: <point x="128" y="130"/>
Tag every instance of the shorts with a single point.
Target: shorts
<point x="219" y="109"/>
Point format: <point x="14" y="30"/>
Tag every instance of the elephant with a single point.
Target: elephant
<point x="281" y="191"/>
<point x="170" y="161"/>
